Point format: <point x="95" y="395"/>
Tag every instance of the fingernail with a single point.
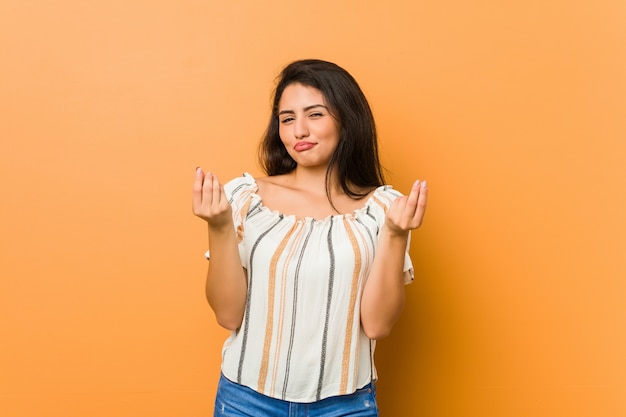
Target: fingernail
<point x="424" y="185"/>
<point x="198" y="171"/>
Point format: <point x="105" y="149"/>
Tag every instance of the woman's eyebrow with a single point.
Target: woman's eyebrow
<point x="307" y="108"/>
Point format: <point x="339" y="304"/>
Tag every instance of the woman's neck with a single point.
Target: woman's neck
<point x="314" y="179"/>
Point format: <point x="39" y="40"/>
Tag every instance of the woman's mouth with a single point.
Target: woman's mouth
<point x="303" y="146"/>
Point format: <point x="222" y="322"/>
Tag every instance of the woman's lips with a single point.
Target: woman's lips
<point x="303" y="146"/>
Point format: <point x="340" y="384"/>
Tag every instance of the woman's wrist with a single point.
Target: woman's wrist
<point x="395" y="233"/>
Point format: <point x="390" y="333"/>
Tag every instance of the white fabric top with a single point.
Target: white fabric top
<point x="301" y="338"/>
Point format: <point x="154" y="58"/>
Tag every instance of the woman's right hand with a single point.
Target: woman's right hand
<point x="226" y="284"/>
<point x="210" y="202"/>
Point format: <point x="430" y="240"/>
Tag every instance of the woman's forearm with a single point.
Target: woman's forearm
<point x="383" y="297"/>
<point x="226" y="284"/>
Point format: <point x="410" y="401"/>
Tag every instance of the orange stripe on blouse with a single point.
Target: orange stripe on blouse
<point x="345" y="365"/>
<point x="270" y="308"/>
<point x="242" y="214"/>
<point x="381" y="203"/>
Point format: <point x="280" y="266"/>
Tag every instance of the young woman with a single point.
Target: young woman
<point x="308" y="264"/>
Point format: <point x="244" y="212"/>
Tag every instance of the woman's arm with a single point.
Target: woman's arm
<point x="226" y="284"/>
<point x="383" y="296"/>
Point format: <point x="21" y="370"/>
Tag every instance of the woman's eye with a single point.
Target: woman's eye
<point x="316" y="115"/>
<point x="286" y="120"/>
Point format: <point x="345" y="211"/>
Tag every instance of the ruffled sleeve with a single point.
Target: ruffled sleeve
<point x="239" y="192"/>
<point x="379" y="204"/>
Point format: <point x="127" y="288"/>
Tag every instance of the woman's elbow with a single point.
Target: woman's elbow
<point x="228" y="318"/>
<point x="376" y="332"/>
<point x="228" y="322"/>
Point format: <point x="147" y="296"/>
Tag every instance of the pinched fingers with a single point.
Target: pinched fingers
<point x="213" y="197"/>
<point x="422" y="198"/>
<point x="406" y="213"/>
<point x="416" y="203"/>
<point x="412" y="199"/>
<point x="209" y="200"/>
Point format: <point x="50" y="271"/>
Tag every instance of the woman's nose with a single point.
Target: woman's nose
<point x="301" y="130"/>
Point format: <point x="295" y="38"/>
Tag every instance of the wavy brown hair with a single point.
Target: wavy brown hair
<point x="355" y="161"/>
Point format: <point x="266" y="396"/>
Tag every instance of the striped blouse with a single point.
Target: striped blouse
<point x="301" y="338"/>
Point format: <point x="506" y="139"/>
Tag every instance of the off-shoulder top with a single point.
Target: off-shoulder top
<point x="301" y="339"/>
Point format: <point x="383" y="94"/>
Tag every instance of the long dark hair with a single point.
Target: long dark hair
<point x="355" y="160"/>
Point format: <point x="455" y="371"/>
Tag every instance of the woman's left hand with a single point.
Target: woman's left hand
<point x="407" y="212"/>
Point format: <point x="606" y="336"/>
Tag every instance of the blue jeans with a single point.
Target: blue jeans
<point x="237" y="400"/>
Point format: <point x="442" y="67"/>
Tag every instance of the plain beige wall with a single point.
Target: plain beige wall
<point x="513" y="111"/>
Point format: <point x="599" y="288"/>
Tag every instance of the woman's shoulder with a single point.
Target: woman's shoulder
<point x="248" y="184"/>
<point x="243" y="183"/>
<point x="383" y="196"/>
<point x="387" y="191"/>
<point x="274" y="180"/>
<point x="272" y="183"/>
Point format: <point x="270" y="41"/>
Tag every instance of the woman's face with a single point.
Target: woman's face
<point x="306" y="127"/>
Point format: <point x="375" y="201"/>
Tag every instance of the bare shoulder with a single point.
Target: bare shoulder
<point x="279" y="193"/>
<point x="273" y="180"/>
<point x="285" y="195"/>
<point x="273" y="184"/>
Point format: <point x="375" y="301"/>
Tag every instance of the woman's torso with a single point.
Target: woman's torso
<point x="301" y="339"/>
